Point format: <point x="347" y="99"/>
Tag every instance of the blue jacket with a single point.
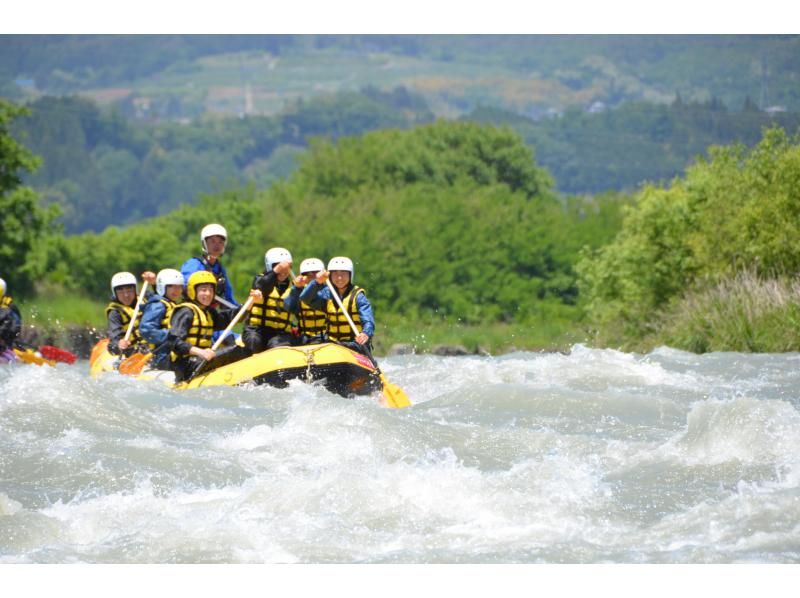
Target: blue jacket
<point x="317" y="296"/>
<point x="150" y="326"/>
<point x="196" y="264"/>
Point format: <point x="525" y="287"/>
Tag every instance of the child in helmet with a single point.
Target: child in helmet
<point x="192" y="326"/>
<point x="213" y="239"/>
<point x="269" y="323"/>
<point x="318" y="296"/>
<point x="10" y="322"/>
<point x="120" y="312"/>
<point x="312" y="322"/>
<point x="154" y="327"/>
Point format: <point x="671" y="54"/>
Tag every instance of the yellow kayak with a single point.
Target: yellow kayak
<point x="339" y="369"/>
<point x="34" y="357"/>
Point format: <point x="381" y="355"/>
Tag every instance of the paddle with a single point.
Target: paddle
<point x="136" y="311"/>
<point x="226" y="332"/>
<point x="130" y="366"/>
<point x="394" y="395"/>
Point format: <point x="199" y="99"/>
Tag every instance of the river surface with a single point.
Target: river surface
<point x="596" y="456"/>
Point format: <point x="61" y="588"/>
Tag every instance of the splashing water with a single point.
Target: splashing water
<point x="596" y="456"/>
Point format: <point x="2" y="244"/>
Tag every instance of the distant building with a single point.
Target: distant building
<point x="775" y="110"/>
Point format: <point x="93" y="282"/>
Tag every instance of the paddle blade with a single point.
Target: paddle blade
<point x="98" y="350"/>
<point x="394" y="396"/>
<point x="56" y="354"/>
<point x="134" y="364"/>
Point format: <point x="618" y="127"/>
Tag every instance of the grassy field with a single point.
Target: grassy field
<point x="222" y="82"/>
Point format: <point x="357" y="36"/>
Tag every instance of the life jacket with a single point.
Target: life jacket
<point x="6" y="301"/>
<point x="200" y="330"/>
<point x="220" y="278"/>
<point x="270" y="312"/>
<point x="338" y="327"/>
<point x="169" y="308"/>
<point x="126" y="313"/>
<point x="313" y="322"/>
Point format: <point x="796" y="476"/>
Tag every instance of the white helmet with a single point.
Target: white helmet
<point x="210" y="230"/>
<point x="275" y="256"/>
<point x="123" y="279"/>
<point x="167" y="277"/>
<point x="311" y="264"/>
<point x="2" y="288"/>
<point x="341" y="263"/>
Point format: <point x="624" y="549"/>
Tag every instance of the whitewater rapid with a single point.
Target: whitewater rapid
<point x="596" y="456"/>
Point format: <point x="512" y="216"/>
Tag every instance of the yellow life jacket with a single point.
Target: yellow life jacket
<point x="169" y="308"/>
<point x="313" y="322"/>
<point x="270" y="312"/>
<point x="126" y="313"/>
<point x="338" y="328"/>
<point x="6" y="301"/>
<point x="200" y="330"/>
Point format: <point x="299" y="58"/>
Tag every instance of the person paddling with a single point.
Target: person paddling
<point x="313" y="323"/>
<point x="156" y="315"/>
<point x="213" y="240"/>
<point x="319" y="296"/>
<point x="192" y="326"/>
<point x="120" y="313"/>
<point x="269" y="323"/>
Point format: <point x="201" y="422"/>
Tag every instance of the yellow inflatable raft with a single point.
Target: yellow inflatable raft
<point x="339" y="369"/>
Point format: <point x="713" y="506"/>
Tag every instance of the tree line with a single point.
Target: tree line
<point x="455" y="221"/>
<point x="102" y="169"/>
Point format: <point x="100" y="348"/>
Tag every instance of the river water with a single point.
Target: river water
<point x="596" y="456"/>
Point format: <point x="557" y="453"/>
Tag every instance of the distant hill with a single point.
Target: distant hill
<point x="179" y="77"/>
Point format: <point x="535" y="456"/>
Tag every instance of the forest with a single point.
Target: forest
<point x="103" y="169"/>
<point x="457" y="223"/>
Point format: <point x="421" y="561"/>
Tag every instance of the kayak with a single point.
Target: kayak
<point x="339" y="369"/>
<point x="25" y="356"/>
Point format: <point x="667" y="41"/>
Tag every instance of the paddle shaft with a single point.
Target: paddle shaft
<point x="392" y="393"/>
<point x="247" y="305"/>
<point x="341" y="306"/>
<point x="224" y="302"/>
<point x="135" y="311"/>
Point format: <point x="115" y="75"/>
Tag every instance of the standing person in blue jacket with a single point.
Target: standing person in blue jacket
<point x="318" y="296"/>
<point x="213" y="239"/>
<point x="154" y="327"/>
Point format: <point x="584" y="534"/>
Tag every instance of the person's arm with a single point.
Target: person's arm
<point x="150" y="325"/>
<point x="10" y="325"/>
<point x="316" y="295"/>
<point x="292" y="301"/>
<point x="367" y="317"/>
<point x="265" y="282"/>
<point x="116" y="331"/>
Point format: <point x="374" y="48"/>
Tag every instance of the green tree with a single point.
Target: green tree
<point x="737" y="210"/>
<point x="24" y="224"/>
